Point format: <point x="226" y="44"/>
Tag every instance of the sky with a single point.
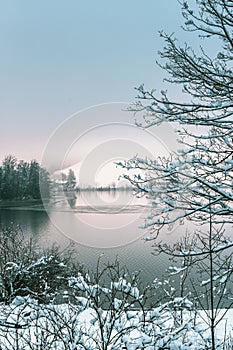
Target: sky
<point x="60" y="57"/>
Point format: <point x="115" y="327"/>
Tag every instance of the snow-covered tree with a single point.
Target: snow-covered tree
<point x="198" y="178"/>
<point x="204" y="272"/>
<point x="195" y="183"/>
<point x="106" y="312"/>
<point x="27" y="269"/>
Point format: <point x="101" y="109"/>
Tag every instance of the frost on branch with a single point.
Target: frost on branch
<point x="117" y="326"/>
<point x="198" y="177"/>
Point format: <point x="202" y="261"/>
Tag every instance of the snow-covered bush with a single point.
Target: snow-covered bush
<point x="27" y="269"/>
<point x="106" y="310"/>
<point x="25" y="324"/>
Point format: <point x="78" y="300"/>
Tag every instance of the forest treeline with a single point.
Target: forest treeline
<point x="23" y="180"/>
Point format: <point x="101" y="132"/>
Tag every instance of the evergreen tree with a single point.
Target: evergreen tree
<point x="71" y="181"/>
<point x="44" y="183"/>
<point x="23" y="180"/>
<point x="34" y="180"/>
<point x="1" y="182"/>
<point x="8" y="180"/>
<point x="22" y="177"/>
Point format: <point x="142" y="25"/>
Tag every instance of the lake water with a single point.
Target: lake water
<point x="97" y="223"/>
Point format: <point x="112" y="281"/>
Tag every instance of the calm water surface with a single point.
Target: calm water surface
<point x="98" y="223"/>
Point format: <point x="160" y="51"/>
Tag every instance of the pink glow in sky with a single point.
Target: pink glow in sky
<point x="59" y="57"/>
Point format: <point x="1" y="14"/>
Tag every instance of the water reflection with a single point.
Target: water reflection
<point x="101" y="201"/>
<point x="100" y="219"/>
<point x="71" y="199"/>
<point x="32" y="222"/>
<point x="97" y="223"/>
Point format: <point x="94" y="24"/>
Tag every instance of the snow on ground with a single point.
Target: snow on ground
<point x="27" y="325"/>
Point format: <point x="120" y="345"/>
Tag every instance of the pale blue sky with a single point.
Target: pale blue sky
<point x="59" y="56"/>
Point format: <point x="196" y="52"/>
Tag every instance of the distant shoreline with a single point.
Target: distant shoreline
<point x="38" y="204"/>
<point x="103" y="189"/>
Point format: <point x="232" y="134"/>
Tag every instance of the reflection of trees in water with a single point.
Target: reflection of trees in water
<point x="110" y="188"/>
<point x="71" y="199"/>
<point x="32" y="222"/>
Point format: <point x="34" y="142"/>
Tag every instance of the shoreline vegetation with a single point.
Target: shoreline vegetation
<point x="29" y="185"/>
<point x="49" y="296"/>
<point x="20" y="180"/>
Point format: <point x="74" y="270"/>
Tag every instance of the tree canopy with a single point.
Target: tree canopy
<point x="196" y="180"/>
<point x="23" y="180"/>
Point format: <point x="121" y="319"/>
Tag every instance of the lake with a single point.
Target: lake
<point x="97" y="223"/>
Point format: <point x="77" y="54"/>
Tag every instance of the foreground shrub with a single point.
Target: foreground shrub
<point x="91" y="323"/>
<point x="26" y="269"/>
<point x="49" y="302"/>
